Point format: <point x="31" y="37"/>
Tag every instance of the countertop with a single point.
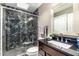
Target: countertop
<point x="69" y="51"/>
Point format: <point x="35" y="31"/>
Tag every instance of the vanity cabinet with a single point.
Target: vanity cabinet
<point x="46" y="50"/>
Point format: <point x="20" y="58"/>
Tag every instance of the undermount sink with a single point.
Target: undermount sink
<point x="61" y="45"/>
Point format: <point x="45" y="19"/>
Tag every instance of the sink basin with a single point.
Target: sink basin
<point x="62" y="45"/>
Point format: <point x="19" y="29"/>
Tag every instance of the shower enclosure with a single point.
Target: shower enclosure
<point x="18" y="27"/>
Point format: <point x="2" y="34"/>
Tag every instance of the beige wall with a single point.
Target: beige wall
<point x="45" y="16"/>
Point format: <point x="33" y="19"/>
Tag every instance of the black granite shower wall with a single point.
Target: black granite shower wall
<point x="32" y="29"/>
<point x="19" y="29"/>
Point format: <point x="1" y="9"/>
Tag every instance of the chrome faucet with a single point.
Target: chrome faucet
<point x="57" y="39"/>
<point x="61" y="39"/>
<point x="66" y="41"/>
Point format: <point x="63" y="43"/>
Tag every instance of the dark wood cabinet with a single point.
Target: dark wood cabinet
<point x="46" y="50"/>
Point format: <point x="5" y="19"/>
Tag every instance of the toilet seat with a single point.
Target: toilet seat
<point x="33" y="51"/>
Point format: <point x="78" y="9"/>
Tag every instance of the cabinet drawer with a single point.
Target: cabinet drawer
<point x="41" y="52"/>
<point x="52" y="52"/>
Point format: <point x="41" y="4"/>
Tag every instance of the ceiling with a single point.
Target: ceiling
<point x="30" y="7"/>
<point x="61" y="6"/>
<point x="33" y="6"/>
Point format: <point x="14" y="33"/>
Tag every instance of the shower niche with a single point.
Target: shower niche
<point x="18" y="27"/>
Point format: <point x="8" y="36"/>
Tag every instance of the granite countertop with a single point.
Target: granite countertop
<point x="69" y="51"/>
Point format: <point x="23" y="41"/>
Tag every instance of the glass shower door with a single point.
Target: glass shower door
<point x="15" y="28"/>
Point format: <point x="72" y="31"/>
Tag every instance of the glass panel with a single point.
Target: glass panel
<point x="15" y="28"/>
<point x="19" y="28"/>
<point x="32" y="28"/>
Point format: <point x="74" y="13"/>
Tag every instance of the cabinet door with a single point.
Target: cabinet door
<point x="48" y="51"/>
<point x="41" y="52"/>
<point x="52" y="52"/>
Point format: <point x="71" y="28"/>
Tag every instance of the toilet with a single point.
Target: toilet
<point x="33" y="51"/>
